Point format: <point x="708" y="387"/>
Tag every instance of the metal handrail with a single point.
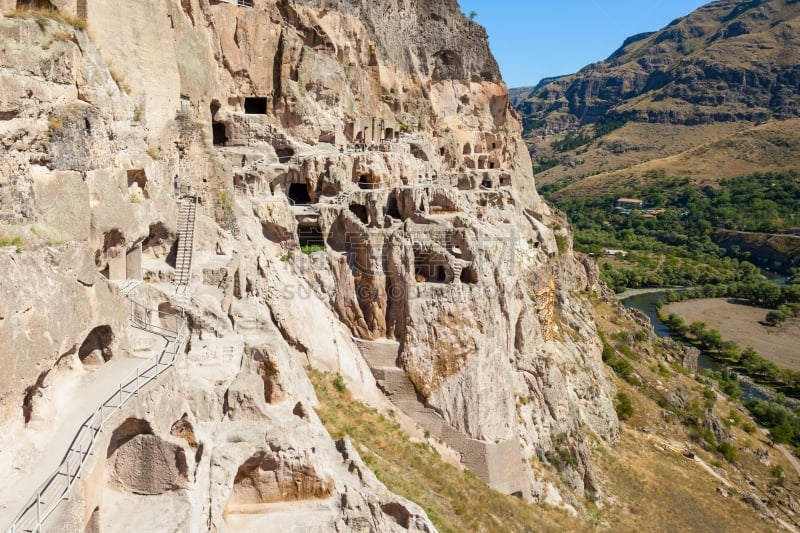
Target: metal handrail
<point x="239" y="3"/>
<point x="58" y="486"/>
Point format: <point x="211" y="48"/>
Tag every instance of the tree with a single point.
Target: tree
<point x="472" y="15"/>
<point x="774" y="318"/>
<point x="697" y="329"/>
<point x="711" y="339"/>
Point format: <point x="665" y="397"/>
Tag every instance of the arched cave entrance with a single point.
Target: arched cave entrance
<point x="367" y="182"/>
<point x="392" y="208"/>
<point x="284" y="154"/>
<point x="310" y="235"/>
<point x="96" y="349"/>
<point x="298" y="194"/>
<point x="361" y="212"/>
<point x="219" y="134"/>
<point x="469" y="275"/>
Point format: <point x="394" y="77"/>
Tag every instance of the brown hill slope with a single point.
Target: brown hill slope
<point x="708" y="77"/>
<point x="704" y="153"/>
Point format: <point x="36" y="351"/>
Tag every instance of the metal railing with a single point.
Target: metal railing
<point x="58" y="487"/>
<point x="239" y="3"/>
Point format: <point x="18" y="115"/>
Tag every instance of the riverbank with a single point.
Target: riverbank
<point x="637" y="292"/>
<point x="742" y="324"/>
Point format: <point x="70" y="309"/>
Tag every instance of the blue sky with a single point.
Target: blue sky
<point x="533" y="39"/>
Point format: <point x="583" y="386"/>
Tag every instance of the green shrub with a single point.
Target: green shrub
<point x="727" y="450"/>
<point x="623" y="406"/>
<point x="561" y="243"/>
<point x="338" y="383"/>
<point x="308" y="250"/>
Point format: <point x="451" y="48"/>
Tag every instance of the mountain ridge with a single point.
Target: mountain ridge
<point x="724" y="68"/>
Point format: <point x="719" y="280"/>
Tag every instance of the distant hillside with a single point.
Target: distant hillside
<point x="519" y="94"/>
<point x="714" y="76"/>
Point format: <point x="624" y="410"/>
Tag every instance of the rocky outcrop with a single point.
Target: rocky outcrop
<point x="358" y="175"/>
<point x="727" y="61"/>
<point x="780" y="252"/>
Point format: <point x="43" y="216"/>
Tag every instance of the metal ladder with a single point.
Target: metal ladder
<point x="183" y="261"/>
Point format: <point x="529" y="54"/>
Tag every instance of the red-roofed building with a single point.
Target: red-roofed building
<point x="629" y="203"/>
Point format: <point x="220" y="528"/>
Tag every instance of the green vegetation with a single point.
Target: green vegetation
<point x="308" y="250"/>
<point x="675" y="246"/>
<point x="624" y="407"/>
<point x="727" y="450"/>
<point x="542" y="164"/>
<point x="561" y="456"/>
<point x="455" y="500"/>
<point x="403" y="126"/>
<point x="561" y="243"/>
<point x="16" y="241"/>
<point x="225" y="203"/>
<point x="729" y="384"/>
<point x="783" y="422"/>
<point x="338" y="383"/>
<point x="620" y="366"/>
<point x="784" y="312"/>
<point x="747" y="361"/>
<point x="572" y="140"/>
<point x="583" y="136"/>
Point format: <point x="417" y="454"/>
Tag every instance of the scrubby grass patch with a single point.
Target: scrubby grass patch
<point x="44" y="15"/>
<point x="454" y="499"/>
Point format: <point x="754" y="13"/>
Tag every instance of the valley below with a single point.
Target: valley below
<point x="744" y="324"/>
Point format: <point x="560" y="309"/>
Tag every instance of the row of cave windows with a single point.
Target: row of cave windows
<point x="258" y="105"/>
<point x="299" y="195"/>
<point x="311" y="236"/>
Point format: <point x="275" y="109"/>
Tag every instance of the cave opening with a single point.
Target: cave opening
<point x="284" y="154"/>
<point x="298" y="194"/>
<point x="366" y="183"/>
<point x="469" y="275"/>
<point x="309" y="236"/>
<point x="392" y="208"/>
<point x="361" y="212"/>
<point x="255" y="105"/>
<point x="96" y="349"/>
<point x="220" y="137"/>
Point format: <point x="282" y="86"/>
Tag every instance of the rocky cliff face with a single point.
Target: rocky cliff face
<point x="727" y="61"/>
<point x="365" y="205"/>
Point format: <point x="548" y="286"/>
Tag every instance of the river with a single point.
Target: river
<point x="648" y="304"/>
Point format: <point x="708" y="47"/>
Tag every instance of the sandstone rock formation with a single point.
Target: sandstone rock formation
<point x="360" y="181"/>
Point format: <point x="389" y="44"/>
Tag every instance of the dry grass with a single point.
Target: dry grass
<point x="119" y="80"/>
<point x="658" y="489"/>
<point x="455" y="500"/>
<point x="43" y="16"/>
<point x="740" y="323"/>
<point x="707" y="154"/>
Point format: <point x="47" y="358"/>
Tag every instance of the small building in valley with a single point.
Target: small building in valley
<point x="630" y="203"/>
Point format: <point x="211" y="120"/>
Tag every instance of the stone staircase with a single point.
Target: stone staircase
<point x="183" y="261"/>
<point x="498" y="464"/>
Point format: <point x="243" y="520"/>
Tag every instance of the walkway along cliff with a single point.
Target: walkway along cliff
<point x="339" y="184"/>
